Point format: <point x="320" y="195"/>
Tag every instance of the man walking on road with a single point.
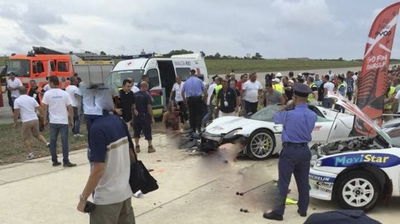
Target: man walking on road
<point x="143" y="118"/>
<point x="110" y="157"/>
<point x="26" y="107"/>
<point x="58" y="103"/>
<point x="192" y="93"/>
<point x="295" y="157"/>
<point x="126" y="101"/>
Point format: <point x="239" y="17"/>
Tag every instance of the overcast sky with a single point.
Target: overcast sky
<point x="274" y="28"/>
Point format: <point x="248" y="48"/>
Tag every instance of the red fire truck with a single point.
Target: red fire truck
<point x="43" y="62"/>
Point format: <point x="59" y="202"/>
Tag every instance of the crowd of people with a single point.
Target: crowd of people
<point x="224" y="95"/>
<point x="191" y="101"/>
<point x="111" y="118"/>
<point x="62" y="109"/>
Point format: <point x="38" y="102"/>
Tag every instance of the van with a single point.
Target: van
<point x="161" y="72"/>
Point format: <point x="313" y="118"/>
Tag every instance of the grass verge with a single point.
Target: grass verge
<point x="12" y="149"/>
<point x="269" y="65"/>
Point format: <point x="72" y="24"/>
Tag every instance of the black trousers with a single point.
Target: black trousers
<point x="250" y="107"/>
<point x="183" y="111"/>
<point x="195" y="106"/>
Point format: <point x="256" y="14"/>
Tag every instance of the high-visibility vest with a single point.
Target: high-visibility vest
<point x="278" y="87"/>
<point x="344" y="86"/>
<point x="216" y="89"/>
<point x="311" y="96"/>
<point x="388" y="106"/>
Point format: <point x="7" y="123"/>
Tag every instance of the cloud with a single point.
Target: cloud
<point x="276" y="28"/>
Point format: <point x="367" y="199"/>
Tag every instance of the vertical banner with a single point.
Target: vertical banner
<point x="373" y="81"/>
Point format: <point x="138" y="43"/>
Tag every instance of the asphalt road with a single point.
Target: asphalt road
<point x="193" y="189"/>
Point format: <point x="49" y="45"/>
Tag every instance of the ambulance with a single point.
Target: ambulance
<point x="161" y="72"/>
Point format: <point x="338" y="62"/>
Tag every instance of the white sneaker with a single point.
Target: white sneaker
<point x="30" y="156"/>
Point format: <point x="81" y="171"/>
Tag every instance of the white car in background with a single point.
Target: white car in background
<point x="262" y="136"/>
<point x="359" y="171"/>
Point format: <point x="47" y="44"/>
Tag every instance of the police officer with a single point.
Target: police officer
<point x="298" y="124"/>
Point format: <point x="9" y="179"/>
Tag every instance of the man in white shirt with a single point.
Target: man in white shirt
<point x="252" y="89"/>
<point x="13" y="85"/>
<point x="176" y="97"/>
<point x="328" y="87"/>
<point x="58" y="103"/>
<point x="75" y="96"/>
<point x="26" y="107"/>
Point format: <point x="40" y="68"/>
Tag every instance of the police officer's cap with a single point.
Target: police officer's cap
<point x="301" y="90"/>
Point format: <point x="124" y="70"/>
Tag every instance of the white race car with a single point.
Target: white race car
<point x="262" y="136"/>
<point x="358" y="171"/>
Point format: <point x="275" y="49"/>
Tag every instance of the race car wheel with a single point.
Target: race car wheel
<point x="261" y="144"/>
<point x="357" y="190"/>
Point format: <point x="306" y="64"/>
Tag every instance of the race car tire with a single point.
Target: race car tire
<point x="357" y="190"/>
<point x="261" y="144"/>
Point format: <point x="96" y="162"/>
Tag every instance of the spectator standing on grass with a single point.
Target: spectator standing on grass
<point x="272" y="96"/>
<point x="227" y="101"/>
<point x="58" y="103"/>
<point x="35" y="93"/>
<point x="192" y="93"/>
<point x="143" y="117"/>
<point x="34" y="90"/>
<point x="126" y="100"/>
<point x="176" y="97"/>
<point x="108" y="183"/>
<point x="27" y="107"/>
<point x="75" y="96"/>
<point x="328" y="87"/>
<point x="13" y="85"/>
<point x="252" y="90"/>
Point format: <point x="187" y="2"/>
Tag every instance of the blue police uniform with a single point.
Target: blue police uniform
<point x="295" y="157"/>
<point x="193" y="90"/>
